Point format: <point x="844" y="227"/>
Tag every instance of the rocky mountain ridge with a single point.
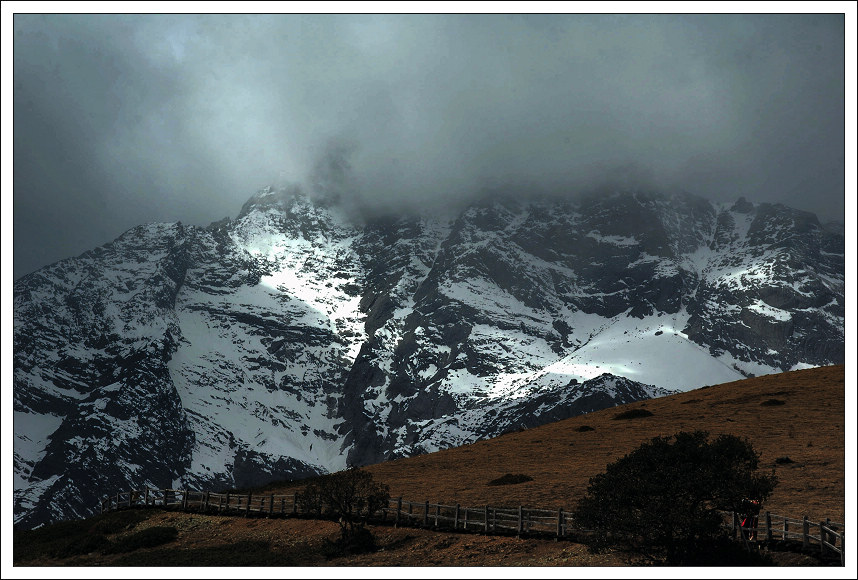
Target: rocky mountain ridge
<point x="295" y="339"/>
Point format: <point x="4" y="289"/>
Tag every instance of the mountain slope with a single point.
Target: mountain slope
<point x="560" y="457"/>
<point x="807" y="423"/>
<point x="295" y="339"/>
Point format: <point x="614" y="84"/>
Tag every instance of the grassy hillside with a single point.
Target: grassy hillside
<point x="798" y="415"/>
<point x="796" y="420"/>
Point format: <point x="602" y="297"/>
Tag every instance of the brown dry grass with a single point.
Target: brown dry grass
<point x="808" y="427"/>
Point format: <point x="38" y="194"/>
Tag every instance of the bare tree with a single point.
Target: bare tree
<point x="350" y="497"/>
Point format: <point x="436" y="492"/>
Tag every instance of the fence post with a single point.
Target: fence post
<point x="465" y="521"/>
<point x="208" y="496"/>
<point x="456" y="518"/>
<point x="768" y="526"/>
<point x="294" y="503"/>
<point x="843" y="547"/>
<point x="805" y="540"/>
<point x="282" y="505"/>
<point x="822" y="538"/>
<point x="185" y="499"/>
<point x="271" y="505"/>
<point x="247" y="509"/>
<point x="494" y="519"/>
<point x="165" y="500"/>
<point x="398" y="511"/>
<point x="226" y="503"/>
<point x="520" y="521"/>
<point x="559" y="523"/>
<point x="437" y="513"/>
<point x="486" y="520"/>
<point x="426" y="514"/>
<point x="786" y="529"/>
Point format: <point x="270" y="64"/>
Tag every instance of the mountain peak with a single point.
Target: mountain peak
<point x="742" y="206"/>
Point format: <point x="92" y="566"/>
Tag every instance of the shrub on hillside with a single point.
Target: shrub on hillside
<point x="633" y="414"/>
<point x="349" y="497"/>
<point x="310" y="500"/>
<point x="663" y="498"/>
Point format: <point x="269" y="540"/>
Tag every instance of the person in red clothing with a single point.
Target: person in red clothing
<point x="751" y="511"/>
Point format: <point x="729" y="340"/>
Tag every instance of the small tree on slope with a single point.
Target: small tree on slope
<point x="663" y="498"/>
<point x="350" y="497"/>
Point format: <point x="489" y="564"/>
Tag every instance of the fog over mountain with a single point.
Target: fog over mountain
<point x="126" y="119"/>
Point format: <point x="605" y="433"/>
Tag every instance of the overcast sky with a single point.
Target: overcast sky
<point x="126" y="119"/>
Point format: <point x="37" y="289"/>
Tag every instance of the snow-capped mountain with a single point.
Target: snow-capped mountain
<point x="296" y="339"/>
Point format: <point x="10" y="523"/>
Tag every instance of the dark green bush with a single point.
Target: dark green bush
<point x="584" y="428"/>
<point x="664" y="498"/>
<point x="633" y="414"/>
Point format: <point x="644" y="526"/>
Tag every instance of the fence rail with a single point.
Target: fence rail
<point x="826" y="535"/>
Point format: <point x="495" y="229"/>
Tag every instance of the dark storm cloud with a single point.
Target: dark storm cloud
<point x="124" y="119"/>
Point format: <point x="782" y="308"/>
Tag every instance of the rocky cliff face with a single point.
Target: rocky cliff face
<point x="294" y="340"/>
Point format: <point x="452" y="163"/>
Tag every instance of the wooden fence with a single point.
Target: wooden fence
<point x="828" y="536"/>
